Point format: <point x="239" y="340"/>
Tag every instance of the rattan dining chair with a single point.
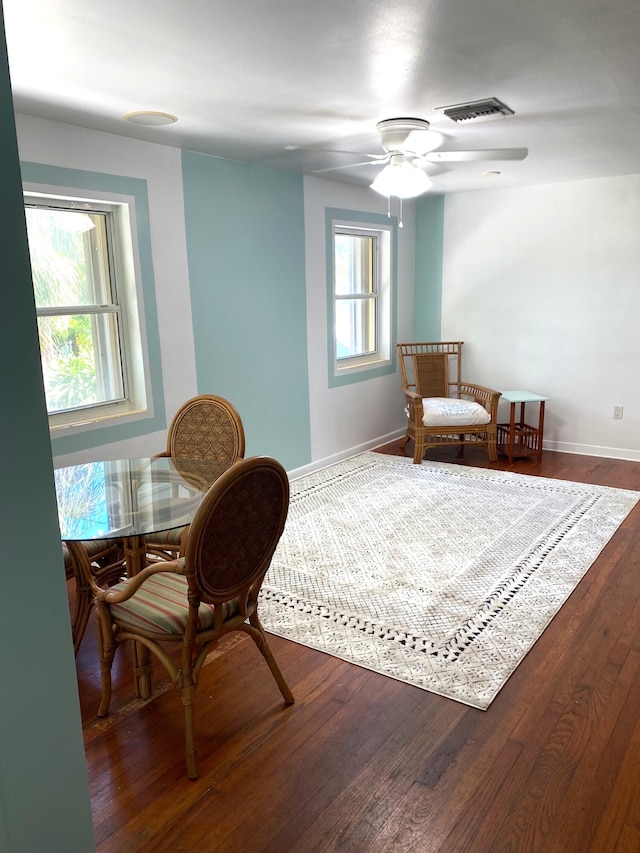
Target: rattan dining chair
<point x="105" y="558"/>
<point x="441" y="409"/>
<point x="206" y="427"/>
<point x="192" y="602"/>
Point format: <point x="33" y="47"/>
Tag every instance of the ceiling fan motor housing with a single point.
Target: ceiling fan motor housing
<point x="394" y="131"/>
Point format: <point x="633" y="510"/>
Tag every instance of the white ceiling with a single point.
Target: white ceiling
<point x="248" y="77"/>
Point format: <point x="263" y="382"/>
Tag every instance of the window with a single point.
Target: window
<point x="83" y="262"/>
<point x="356" y="295"/>
<point x="361" y="297"/>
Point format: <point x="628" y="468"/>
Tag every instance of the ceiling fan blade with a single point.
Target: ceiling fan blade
<point x="317" y="149"/>
<point x="421" y="142"/>
<point x="477" y="154"/>
<point x="377" y="162"/>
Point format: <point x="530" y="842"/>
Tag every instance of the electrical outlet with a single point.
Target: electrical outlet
<point x="617" y="413"/>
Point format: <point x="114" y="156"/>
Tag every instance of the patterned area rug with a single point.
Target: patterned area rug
<point x="438" y="575"/>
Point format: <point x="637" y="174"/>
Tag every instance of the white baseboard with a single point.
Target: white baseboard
<point x="553" y="446"/>
<point x="344" y="454"/>
<point x="592" y="450"/>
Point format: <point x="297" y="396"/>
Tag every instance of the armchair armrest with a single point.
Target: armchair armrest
<point x="132" y="585"/>
<point x="487" y="397"/>
<point x="413" y="405"/>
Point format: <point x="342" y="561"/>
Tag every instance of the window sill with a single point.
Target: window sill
<point x="94" y="421"/>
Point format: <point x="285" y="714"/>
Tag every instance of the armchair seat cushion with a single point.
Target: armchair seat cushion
<point x="161" y="605"/>
<point x="167" y="538"/>
<point x="94" y="549"/>
<point x="450" y="411"/>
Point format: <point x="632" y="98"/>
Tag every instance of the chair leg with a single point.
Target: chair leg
<point x="405" y="440"/>
<point x="418" y="452"/>
<point x="81" y="570"/>
<point x="187" y="697"/>
<point x="81" y="613"/>
<point x="261" y="642"/>
<point x="107" y="648"/>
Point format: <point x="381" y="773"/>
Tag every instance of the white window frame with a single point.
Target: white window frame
<point x="126" y="283"/>
<point x="381" y="356"/>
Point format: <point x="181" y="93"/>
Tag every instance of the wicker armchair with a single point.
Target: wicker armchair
<point x="205" y="427"/>
<point x="194" y="601"/>
<point x="105" y="558"/>
<point x="441" y="409"/>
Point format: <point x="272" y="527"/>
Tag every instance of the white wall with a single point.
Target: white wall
<point x="56" y="144"/>
<point x="543" y="285"/>
<point x="364" y="414"/>
<point x="344" y="420"/>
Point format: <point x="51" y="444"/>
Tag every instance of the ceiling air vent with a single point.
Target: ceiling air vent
<point x="486" y="110"/>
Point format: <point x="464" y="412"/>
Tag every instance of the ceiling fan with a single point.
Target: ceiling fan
<point x="409" y="143"/>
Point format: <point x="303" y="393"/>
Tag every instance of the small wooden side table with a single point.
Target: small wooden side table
<point x="518" y="439"/>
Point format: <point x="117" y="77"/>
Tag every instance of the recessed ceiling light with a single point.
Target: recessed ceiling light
<point x="150" y="118"/>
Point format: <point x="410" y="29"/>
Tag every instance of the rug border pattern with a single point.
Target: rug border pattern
<point x="464" y="668"/>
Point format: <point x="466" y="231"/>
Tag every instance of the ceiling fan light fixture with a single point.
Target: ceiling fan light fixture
<point x="401" y="178"/>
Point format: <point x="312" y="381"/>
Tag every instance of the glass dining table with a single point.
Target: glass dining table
<point x="126" y="500"/>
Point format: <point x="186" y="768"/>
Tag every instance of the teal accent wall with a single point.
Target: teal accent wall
<point x="44" y="795"/>
<point x="39" y="173"/>
<point x="245" y="247"/>
<point x="428" y="290"/>
<point x="354" y="217"/>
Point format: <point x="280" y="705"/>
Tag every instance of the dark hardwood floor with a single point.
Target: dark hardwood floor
<point x="364" y="763"/>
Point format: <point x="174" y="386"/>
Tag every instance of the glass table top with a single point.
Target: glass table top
<point x="522" y="397"/>
<point x="128" y="497"/>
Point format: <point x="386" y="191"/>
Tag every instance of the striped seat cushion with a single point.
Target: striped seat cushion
<point x="93" y="547"/>
<point x="161" y="605"/>
<point x="166" y="538"/>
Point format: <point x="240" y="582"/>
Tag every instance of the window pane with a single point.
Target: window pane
<point x="355" y="327"/>
<point x="80" y="360"/>
<point x="68" y="257"/>
<point x="354" y="264"/>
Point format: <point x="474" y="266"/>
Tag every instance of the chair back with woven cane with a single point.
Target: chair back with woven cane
<point x="192" y="602"/>
<point x="441" y="409"/>
<point x="431" y="373"/>
<point x="205" y="427"/>
<point x="208" y="427"/>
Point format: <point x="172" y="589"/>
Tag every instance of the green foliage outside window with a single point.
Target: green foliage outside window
<point x="61" y="266"/>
